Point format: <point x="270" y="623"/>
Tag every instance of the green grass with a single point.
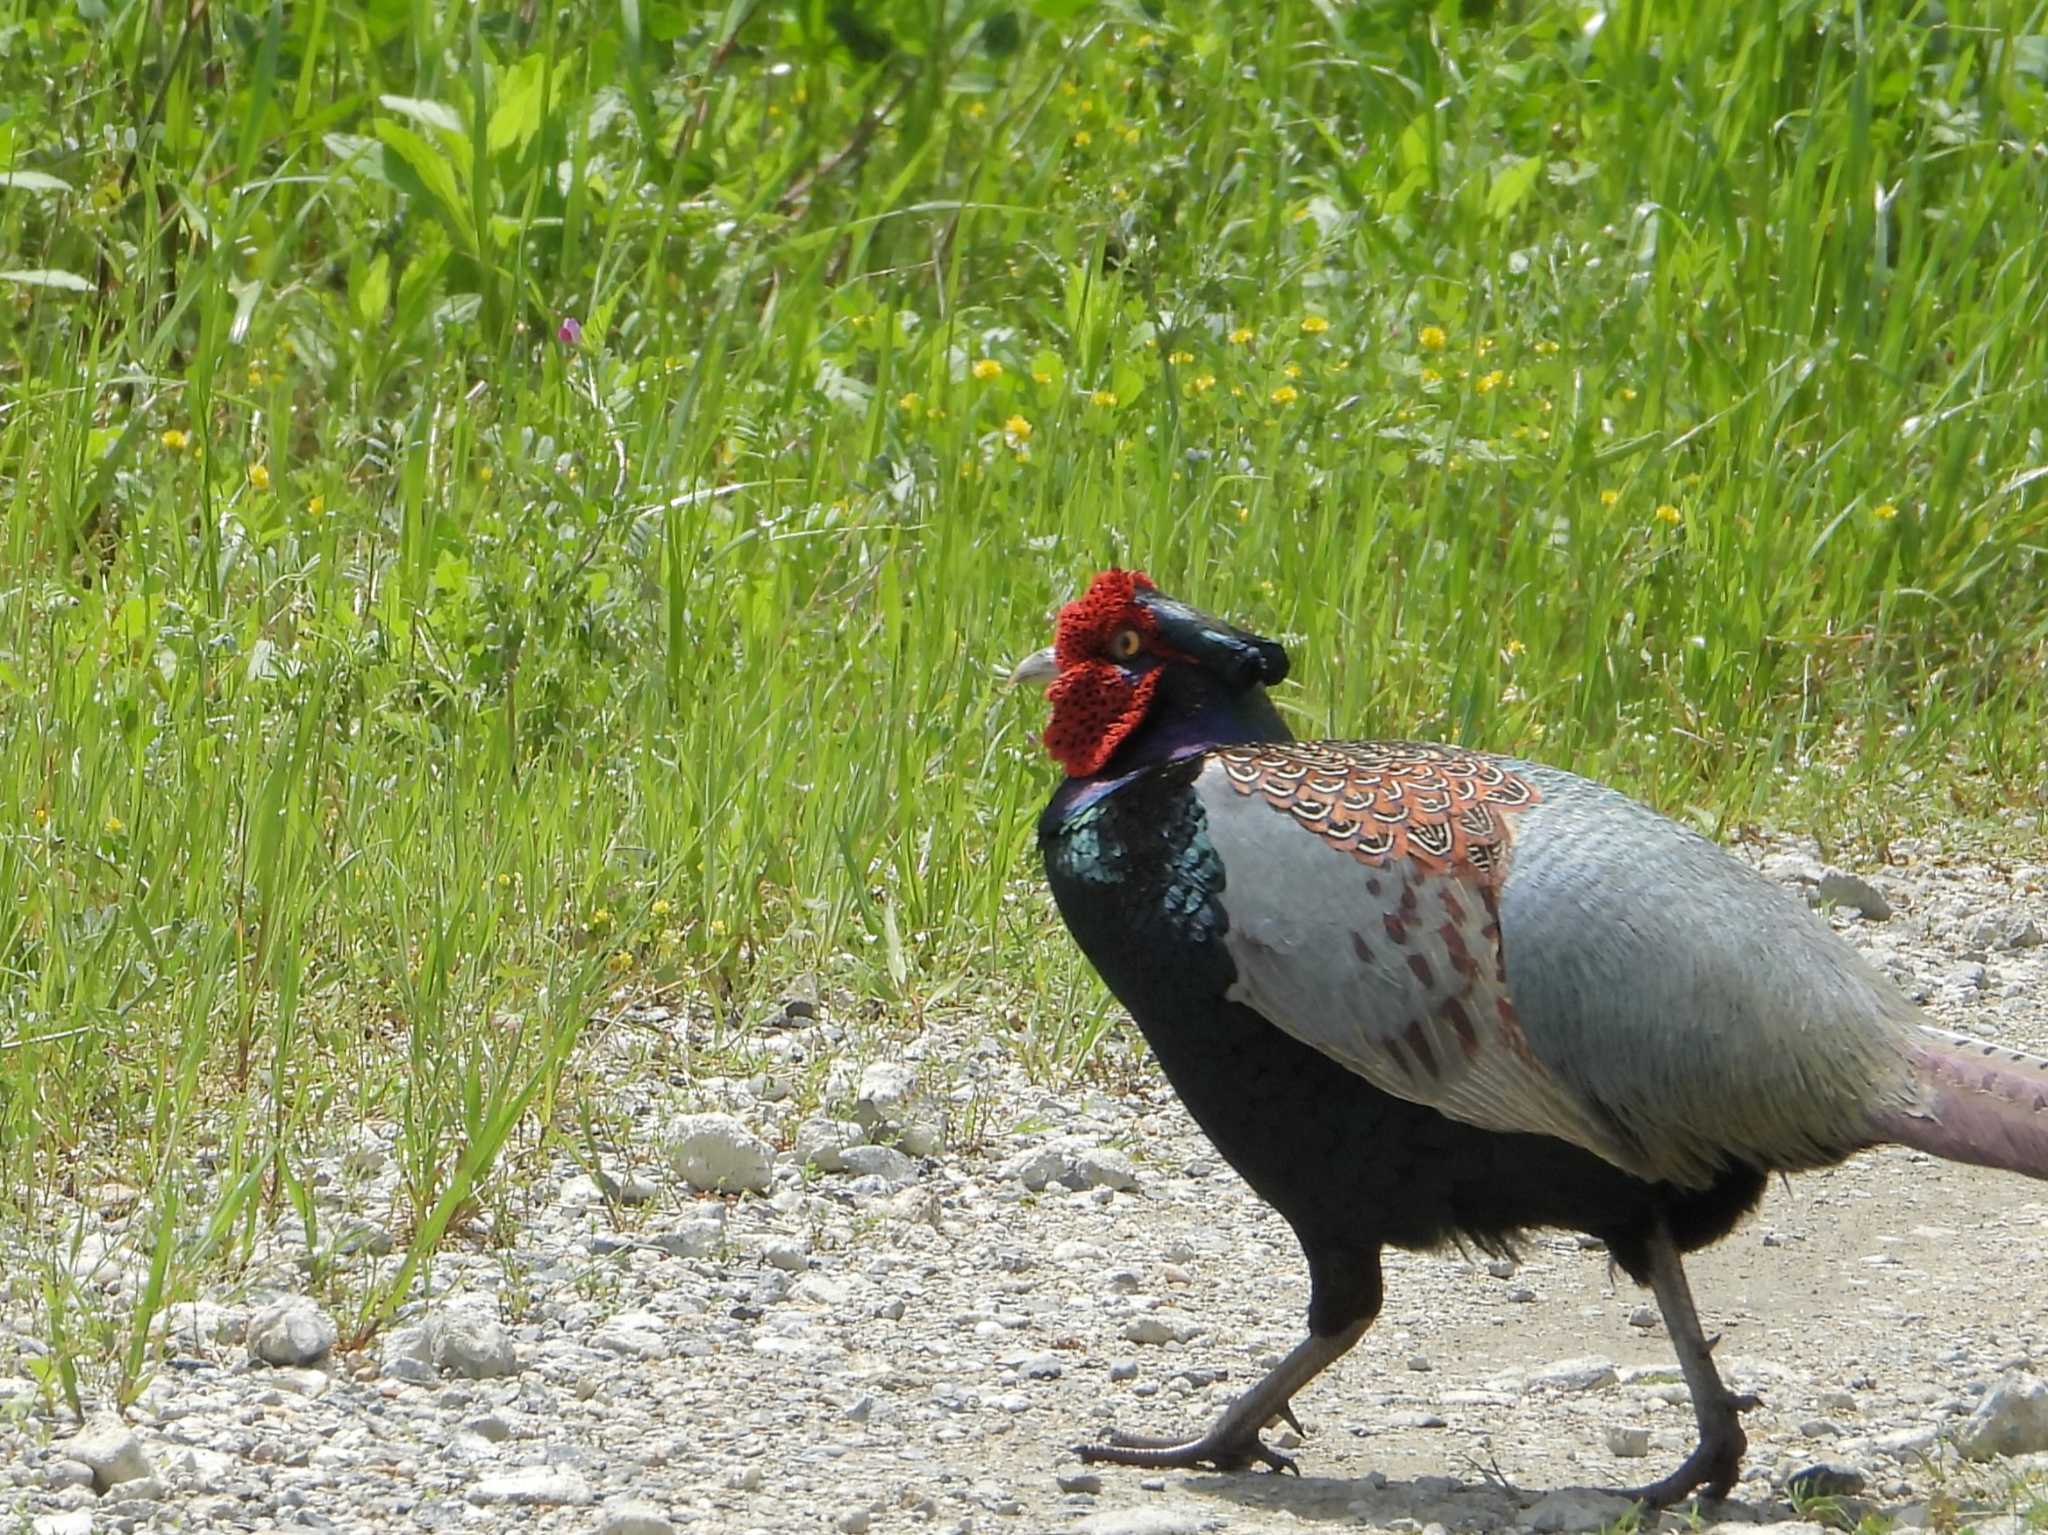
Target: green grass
<point x="388" y="686"/>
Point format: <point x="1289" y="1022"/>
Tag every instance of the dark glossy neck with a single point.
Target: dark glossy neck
<point x="1177" y="727"/>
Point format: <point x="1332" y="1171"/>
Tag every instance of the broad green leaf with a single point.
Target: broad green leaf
<point x="1511" y="184"/>
<point x="430" y="114"/>
<point x="516" y="118"/>
<point x="436" y="178"/>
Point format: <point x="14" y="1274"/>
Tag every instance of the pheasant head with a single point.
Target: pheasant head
<point x="1133" y="674"/>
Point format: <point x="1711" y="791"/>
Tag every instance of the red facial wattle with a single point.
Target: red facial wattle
<point x="1097" y="702"/>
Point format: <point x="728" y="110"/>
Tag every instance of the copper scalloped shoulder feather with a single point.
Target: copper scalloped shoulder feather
<point x="1442" y="809"/>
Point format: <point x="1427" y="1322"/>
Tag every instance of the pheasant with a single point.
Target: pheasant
<point x="1478" y="995"/>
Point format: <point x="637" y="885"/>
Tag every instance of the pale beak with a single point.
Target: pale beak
<point x="1039" y="668"/>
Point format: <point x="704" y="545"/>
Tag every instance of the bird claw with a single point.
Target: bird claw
<point x="1713" y="1466"/>
<point x="1222" y="1452"/>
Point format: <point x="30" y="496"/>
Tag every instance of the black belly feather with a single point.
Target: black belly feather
<point x="1352" y="1169"/>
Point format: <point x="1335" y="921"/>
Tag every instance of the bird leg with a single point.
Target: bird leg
<point x="1232" y="1441"/>
<point x="1716" y="1463"/>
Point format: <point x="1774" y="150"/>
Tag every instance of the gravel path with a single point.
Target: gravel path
<point x="912" y="1343"/>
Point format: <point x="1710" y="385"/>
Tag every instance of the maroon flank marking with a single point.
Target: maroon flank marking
<point x="1410" y="904"/>
<point x="1420" y="966"/>
<point x="1361" y="948"/>
<point x="1396" y="930"/>
<point x="1418" y="1041"/>
<point x="1372" y="887"/>
<point x="1461" y="957"/>
<point x="1393" y="1049"/>
<point x="1453" y="1012"/>
<point x="1453" y="907"/>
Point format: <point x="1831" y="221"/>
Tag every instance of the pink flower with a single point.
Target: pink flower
<point x="570" y="332"/>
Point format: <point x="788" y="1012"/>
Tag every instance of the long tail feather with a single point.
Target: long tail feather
<point x="1974" y="1102"/>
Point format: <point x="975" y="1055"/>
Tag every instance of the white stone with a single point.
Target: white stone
<point x="467" y="1341"/>
<point x="887" y="1090"/>
<point x="110" y="1448"/>
<point x="821" y="1142"/>
<point x="1155" y="1328"/>
<point x="1102" y="1167"/>
<point x="292" y="1331"/>
<point x="634" y="1517"/>
<point x="532" y="1486"/>
<point x="716" y="1151"/>
<point x="884" y="1162"/>
<point x="2012" y="1419"/>
<point x="1587" y="1374"/>
<point x="1574" y="1509"/>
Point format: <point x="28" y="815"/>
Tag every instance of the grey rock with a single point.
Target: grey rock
<point x="887" y="1091"/>
<point x="700" y="1234"/>
<point x="492" y="1427"/>
<point x="196" y="1323"/>
<point x="1078" y="1481"/>
<point x="782" y="1253"/>
<point x="716" y="1151"/>
<point x="632" y="1516"/>
<point x="884" y="1162"/>
<point x="1627" y="1441"/>
<point x="1035" y="1166"/>
<point x="822" y="1142"/>
<point x="407" y="1356"/>
<point x="1587" y="1374"/>
<point x="1573" y="1508"/>
<point x="112" y="1451"/>
<point x="1124" y="1369"/>
<point x="633" y="1335"/>
<point x="1838" y="887"/>
<point x="532" y="1487"/>
<point x="2010" y="929"/>
<point x="292" y="1331"/>
<point x="854" y="1521"/>
<point x="77" y="1521"/>
<point x="65" y="1472"/>
<point x="1910" y="1444"/>
<point x="2012" y="1419"/>
<point x="1154" y="1328"/>
<point x="1102" y="1167"/>
<point x="466" y="1341"/>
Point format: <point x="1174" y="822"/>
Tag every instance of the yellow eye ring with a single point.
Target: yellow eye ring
<point x="1126" y="644"/>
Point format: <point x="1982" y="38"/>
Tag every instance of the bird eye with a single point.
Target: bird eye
<point x="1126" y="644"/>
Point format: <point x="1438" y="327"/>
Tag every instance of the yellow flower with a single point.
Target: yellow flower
<point x="1180" y="359"/>
<point x="505" y="881"/>
<point x="661" y="908"/>
<point x="1515" y="648"/>
<point x="1103" y="397"/>
<point x="173" y="439"/>
<point x="1242" y="335"/>
<point x="908" y="400"/>
<point x="1546" y="349"/>
<point x="600" y="919"/>
<point x="1040" y="376"/>
<point x="1292" y="370"/>
<point x="1486" y="383"/>
<point x="1885" y="513"/>
<point x="1286" y="394"/>
<point x="1432" y="338"/>
<point x="1313" y="325"/>
<point x="620" y="962"/>
<point x="484" y="473"/>
<point x="1431" y="376"/>
<point x="1483" y="345"/>
<point x="1628" y="394"/>
<point x="1129" y="133"/>
<point x="115" y="826"/>
<point x="1202" y="383"/>
<point x="1018" y="428"/>
<point x="1668" y="513"/>
<point x="988" y="368"/>
<point x="1083" y="139"/>
<point x="1609" y="497"/>
<point x="977" y="108"/>
<point x="317" y="507"/>
<point x="1244" y="513"/>
<point x="255" y="377"/>
<point x="259" y="476"/>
